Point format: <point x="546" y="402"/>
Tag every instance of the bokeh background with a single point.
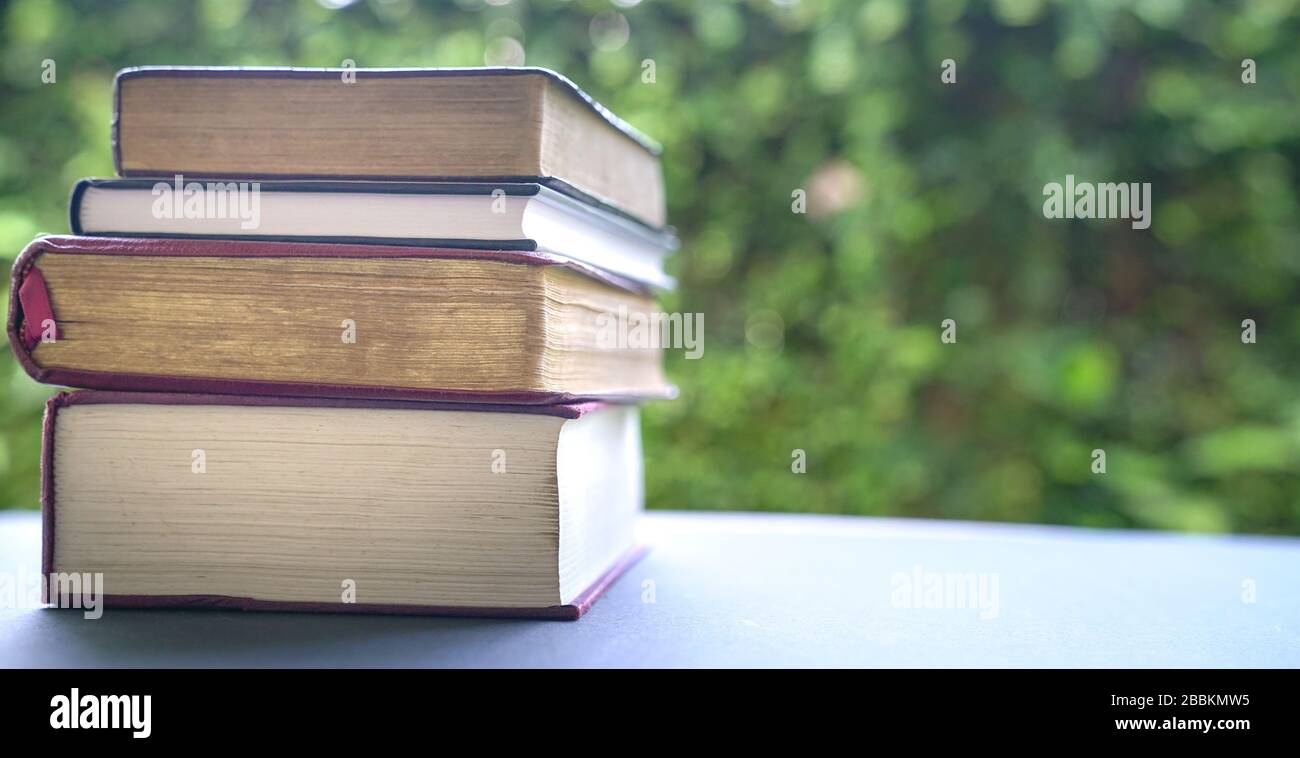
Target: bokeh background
<point x="924" y="203"/>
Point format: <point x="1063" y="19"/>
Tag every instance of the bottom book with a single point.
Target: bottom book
<point x="263" y="503"/>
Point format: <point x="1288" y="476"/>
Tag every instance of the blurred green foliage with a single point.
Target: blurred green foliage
<point x="924" y="200"/>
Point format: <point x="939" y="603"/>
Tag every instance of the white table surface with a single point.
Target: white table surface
<point x="768" y="590"/>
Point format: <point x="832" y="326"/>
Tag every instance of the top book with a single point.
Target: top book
<point x="447" y="124"/>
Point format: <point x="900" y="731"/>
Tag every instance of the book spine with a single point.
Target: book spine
<point x="47" y="489"/>
<point x="38" y="322"/>
<point x="74" y="205"/>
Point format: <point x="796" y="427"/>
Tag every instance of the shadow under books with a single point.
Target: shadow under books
<point x="199" y="635"/>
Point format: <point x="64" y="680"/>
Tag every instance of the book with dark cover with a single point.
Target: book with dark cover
<point x="459" y="124"/>
<point x="344" y="506"/>
<point x="325" y="320"/>
<point x="503" y="216"/>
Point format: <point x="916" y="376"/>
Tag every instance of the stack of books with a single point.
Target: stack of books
<point x="344" y="336"/>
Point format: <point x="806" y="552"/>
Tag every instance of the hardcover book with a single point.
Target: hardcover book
<point x="348" y="506"/>
<point x="333" y="320"/>
<point x="482" y="216"/>
<point x="477" y="124"/>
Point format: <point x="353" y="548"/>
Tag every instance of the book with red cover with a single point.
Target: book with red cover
<point x="298" y="497"/>
<point x="326" y="320"/>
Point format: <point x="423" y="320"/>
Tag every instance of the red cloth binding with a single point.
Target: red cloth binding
<point x="35" y="300"/>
